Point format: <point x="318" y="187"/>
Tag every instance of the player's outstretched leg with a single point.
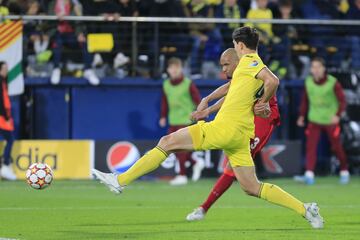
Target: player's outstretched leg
<point x="221" y="186"/>
<point x="179" y="140"/>
<point x="274" y="194"/>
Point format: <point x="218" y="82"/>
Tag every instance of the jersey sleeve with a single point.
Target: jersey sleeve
<point x="252" y="66"/>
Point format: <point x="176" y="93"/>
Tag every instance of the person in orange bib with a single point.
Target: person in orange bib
<point x="6" y="124"/>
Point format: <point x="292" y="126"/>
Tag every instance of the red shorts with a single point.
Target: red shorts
<point x="263" y="130"/>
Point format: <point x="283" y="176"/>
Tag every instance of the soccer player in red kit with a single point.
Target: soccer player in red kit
<point x="263" y="130"/>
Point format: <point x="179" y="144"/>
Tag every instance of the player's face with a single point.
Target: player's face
<point x="262" y="3"/>
<point x="227" y="66"/>
<point x="174" y="70"/>
<point x="317" y="70"/>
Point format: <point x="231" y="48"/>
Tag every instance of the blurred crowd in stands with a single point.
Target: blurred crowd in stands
<point x="60" y="47"/>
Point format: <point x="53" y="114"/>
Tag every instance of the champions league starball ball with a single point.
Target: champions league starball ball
<point x="39" y="176"/>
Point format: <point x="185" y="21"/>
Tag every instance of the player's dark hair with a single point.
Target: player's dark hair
<point x="248" y="36"/>
<point x="174" y="61"/>
<point x="320" y="60"/>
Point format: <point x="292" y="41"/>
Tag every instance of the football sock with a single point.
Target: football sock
<point x="275" y="194"/>
<point x="222" y="184"/>
<point x="147" y="163"/>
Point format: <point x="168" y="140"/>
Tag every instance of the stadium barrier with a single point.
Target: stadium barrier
<point x="74" y="159"/>
<point x="278" y="158"/>
<point x="68" y="159"/>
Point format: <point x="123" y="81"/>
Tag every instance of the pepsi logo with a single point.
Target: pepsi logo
<point x="121" y="156"/>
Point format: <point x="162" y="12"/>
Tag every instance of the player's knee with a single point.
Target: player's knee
<point x="167" y="142"/>
<point x="250" y="189"/>
<point x="250" y="192"/>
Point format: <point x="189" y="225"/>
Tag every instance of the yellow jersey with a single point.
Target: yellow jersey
<point x="261" y="14"/>
<point x="237" y="109"/>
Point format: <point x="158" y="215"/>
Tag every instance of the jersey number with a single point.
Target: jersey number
<point x="255" y="143"/>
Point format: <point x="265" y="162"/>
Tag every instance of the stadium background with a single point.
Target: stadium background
<point x="74" y="126"/>
<point x="126" y="104"/>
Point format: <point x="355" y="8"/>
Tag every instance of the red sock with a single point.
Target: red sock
<point x="182" y="157"/>
<point x="222" y="184"/>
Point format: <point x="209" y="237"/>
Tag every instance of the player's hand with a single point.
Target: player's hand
<point x="199" y="115"/>
<point x="203" y="105"/>
<point x="335" y="120"/>
<point x="262" y="109"/>
<point x="162" y="122"/>
<point x="300" y="121"/>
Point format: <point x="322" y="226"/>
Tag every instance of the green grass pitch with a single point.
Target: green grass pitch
<point x="154" y="210"/>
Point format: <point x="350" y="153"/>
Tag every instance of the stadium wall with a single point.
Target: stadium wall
<point x="117" y="109"/>
<point x="73" y="159"/>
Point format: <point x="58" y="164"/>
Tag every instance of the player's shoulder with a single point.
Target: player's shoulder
<point x="250" y="61"/>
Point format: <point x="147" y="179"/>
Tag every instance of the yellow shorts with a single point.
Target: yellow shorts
<point x="218" y="135"/>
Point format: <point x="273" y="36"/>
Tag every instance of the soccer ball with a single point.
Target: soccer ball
<point x="39" y="175"/>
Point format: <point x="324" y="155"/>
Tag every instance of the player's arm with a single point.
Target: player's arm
<point x="216" y="94"/>
<point x="202" y="114"/>
<point x="271" y="83"/>
<point x="216" y="107"/>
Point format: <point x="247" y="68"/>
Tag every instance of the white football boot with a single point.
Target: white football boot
<point x="109" y="179"/>
<point x="197" y="215"/>
<point x="7" y="173"/>
<point x="179" y="180"/>
<point x="313" y="216"/>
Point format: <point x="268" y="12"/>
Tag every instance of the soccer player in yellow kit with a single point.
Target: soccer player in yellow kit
<point x="231" y="131"/>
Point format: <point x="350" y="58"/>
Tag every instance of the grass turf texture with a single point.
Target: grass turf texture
<point x="154" y="210"/>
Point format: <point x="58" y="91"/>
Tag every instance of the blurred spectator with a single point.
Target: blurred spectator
<point x="204" y="36"/>
<point x="121" y="31"/>
<point x="179" y="99"/>
<point x="4" y="10"/>
<point x="323" y="103"/>
<point x="286" y="35"/>
<point x="265" y="29"/>
<point x="172" y="38"/>
<point x="331" y="48"/>
<point x="18" y="7"/>
<point x="37" y="40"/>
<point x="6" y="125"/>
<point x="261" y="12"/>
<point x="354" y="32"/>
<point x="228" y="9"/>
<point x="72" y="35"/>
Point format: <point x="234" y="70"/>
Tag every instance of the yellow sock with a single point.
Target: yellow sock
<point x="275" y="194"/>
<point x="147" y="163"/>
